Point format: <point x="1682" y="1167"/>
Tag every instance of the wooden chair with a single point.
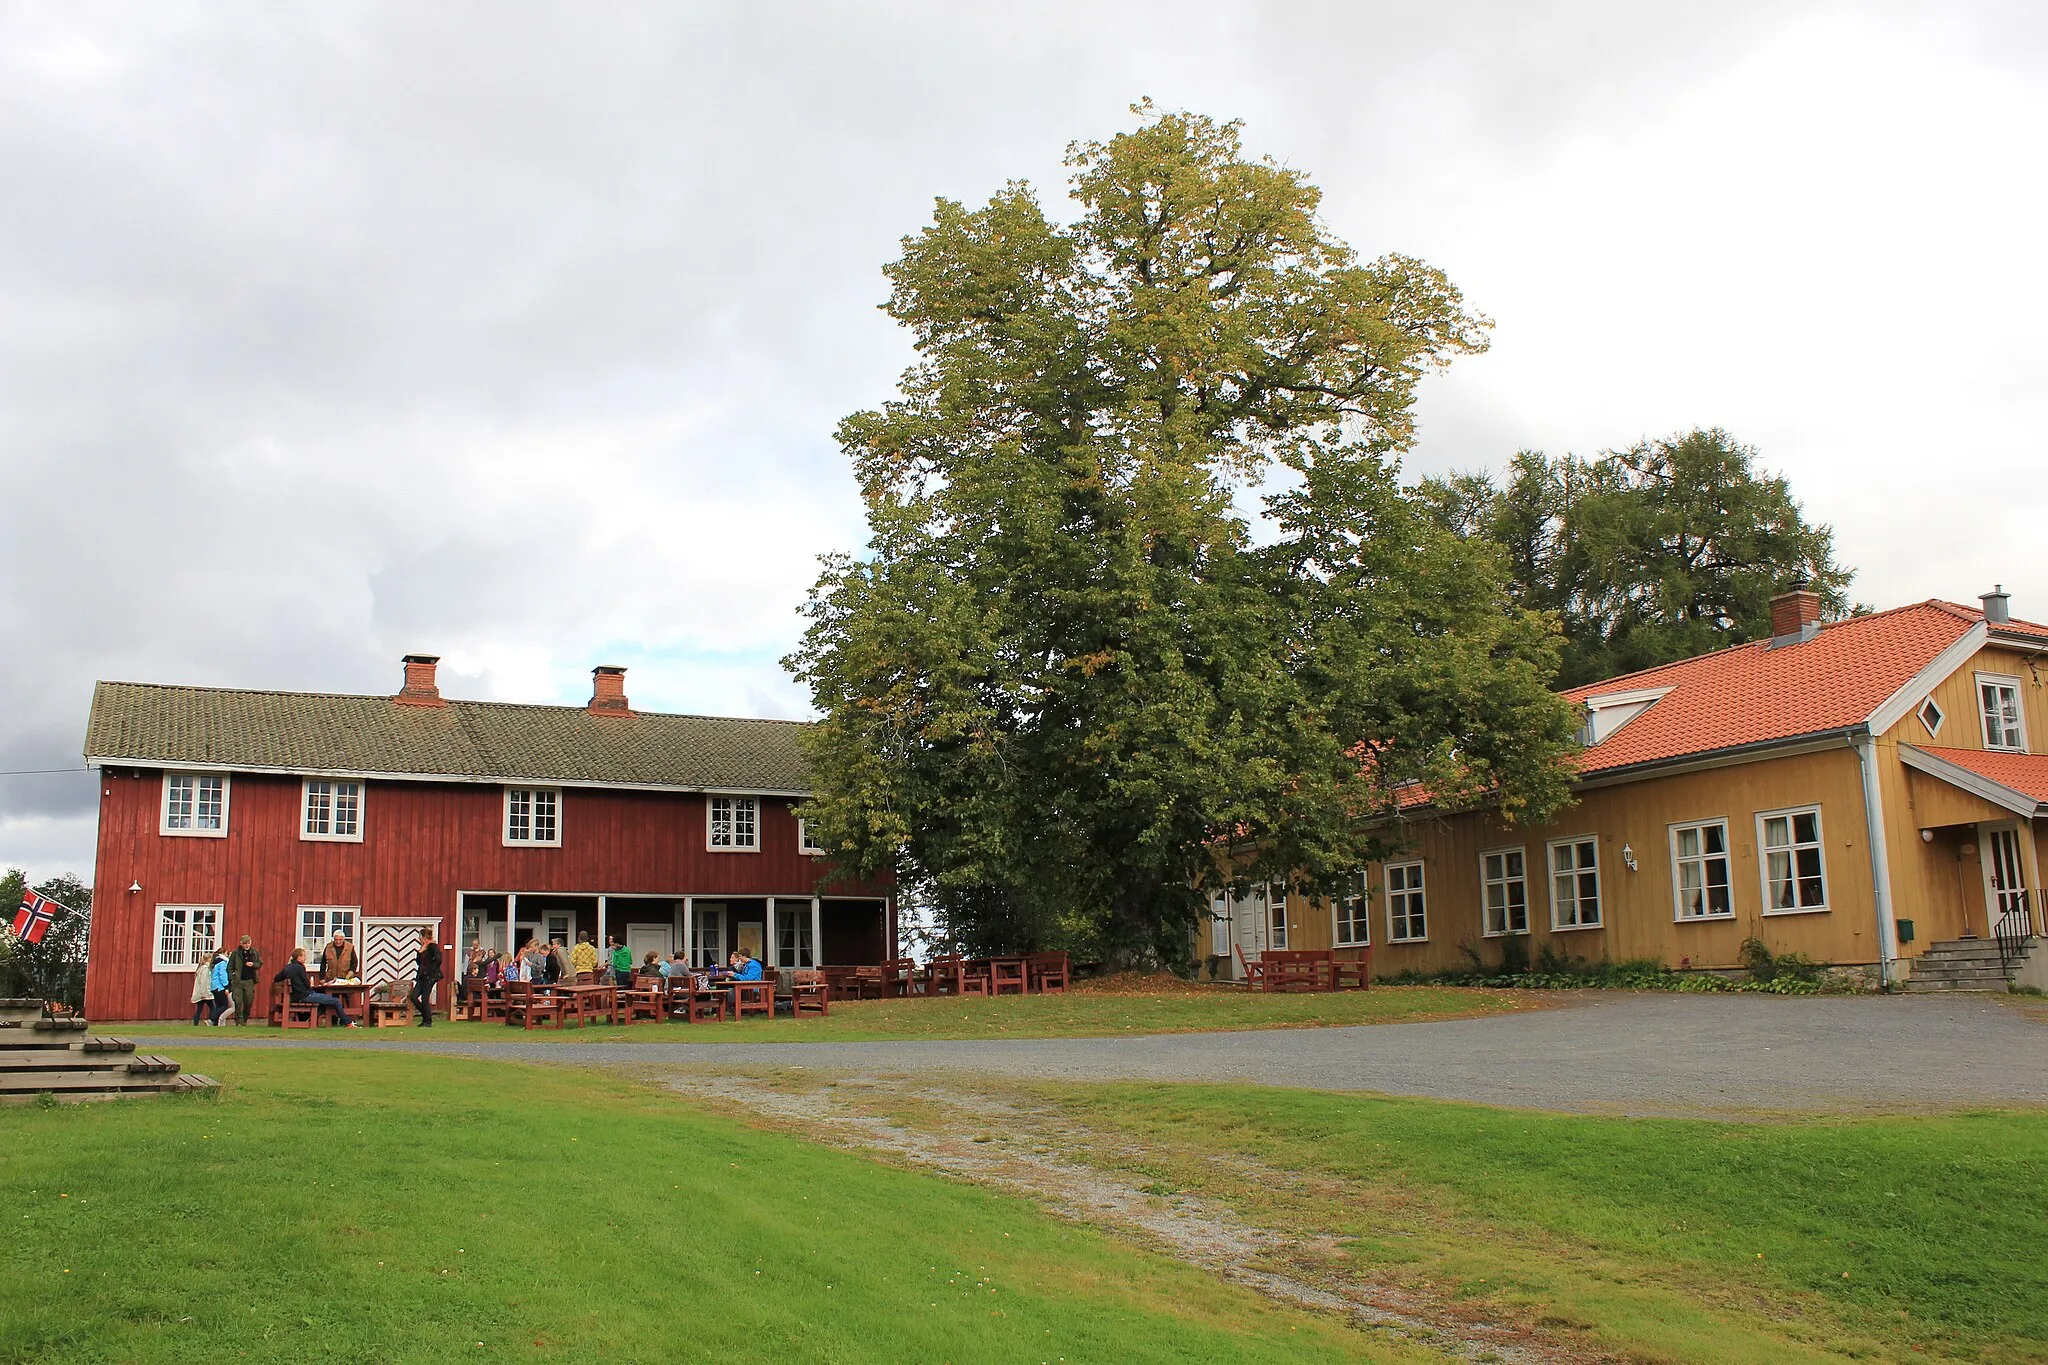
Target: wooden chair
<point x="1254" y="972"/>
<point x="527" y="1007"/>
<point x="808" y="994"/>
<point x="899" y="978"/>
<point x="1357" y="970"/>
<point x="493" y="1004"/>
<point x="643" y="1002"/>
<point x="842" y="983"/>
<point x="1006" y="976"/>
<point x="301" y="1014"/>
<point x="279" y="994"/>
<point x="1048" y="972"/>
<point x="753" y="997"/>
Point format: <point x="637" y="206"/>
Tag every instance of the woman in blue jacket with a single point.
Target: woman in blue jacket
<point x="223" y="1003"/>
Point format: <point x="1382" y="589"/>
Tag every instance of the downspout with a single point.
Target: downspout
<point x="1865" y="745"/>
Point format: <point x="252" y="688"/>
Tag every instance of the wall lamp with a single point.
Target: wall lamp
<point x="135" y="888"/>
<point x="1628" y="857"/>
<point x="1926" y="836"/>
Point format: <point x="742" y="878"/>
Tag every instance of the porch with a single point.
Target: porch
<point x="1969" y="911"/>
<point x="784" y="932"/>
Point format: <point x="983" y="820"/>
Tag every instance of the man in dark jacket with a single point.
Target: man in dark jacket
<point x="426" y="972"/>
<point x="243" y="965"/>
<point x="301" y="986"/>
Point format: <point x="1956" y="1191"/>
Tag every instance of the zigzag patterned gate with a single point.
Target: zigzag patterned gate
<point x="389" y="945"/>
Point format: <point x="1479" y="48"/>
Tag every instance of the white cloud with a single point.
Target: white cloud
<point x="519" y="334"/>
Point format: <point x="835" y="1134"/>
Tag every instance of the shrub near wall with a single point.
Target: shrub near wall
<point x="1765" y="973"/>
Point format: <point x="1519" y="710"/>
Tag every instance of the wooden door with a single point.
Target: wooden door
<point x="389" y="945"/>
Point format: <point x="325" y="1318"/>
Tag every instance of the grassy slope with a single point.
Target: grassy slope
<point x="1164" y="1008"/>
<point x="343" y="1206"/>
<point x="1934" y="1229"/>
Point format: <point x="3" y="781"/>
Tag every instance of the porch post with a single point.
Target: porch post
<point x="690" y="932"/>
<point x="817" y="937"/>
<point x="511" y="923"/>
<point x="889" y="923"/>
<point x="772" y="950"/>
<point x="681" y="944"/>
<point x="601" y="916"/>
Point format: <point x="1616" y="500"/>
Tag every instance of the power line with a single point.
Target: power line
<point x="38" y="772"/>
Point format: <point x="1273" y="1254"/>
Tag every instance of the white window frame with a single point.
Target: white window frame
<point x="163" y="806"/>
<point x="731" y="832"/>
<point x="1819" y="844"/>
<point x="1727" y="856"/>
<point x="1487" y="883"/>
<point x="1274" y="894"/>
<point x="795" y="946"/>
<point x="329" y="922"/>
<point x="334" y="794"/>
<point x="1933" y="726"/>
<point x="1400" y="896"/>
<point x="803" y="840"/>
<point x="505" y="817"/>
<point x="186" y="956"/>
<point x="1599" y="920"/>
<point x="1353" y="908"/>
<point x="2002" y="681"/>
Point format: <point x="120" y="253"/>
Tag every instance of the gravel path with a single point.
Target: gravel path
<point x="1606" y="1053"/>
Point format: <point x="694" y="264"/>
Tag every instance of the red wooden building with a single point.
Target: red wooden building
<point x="287" y="815"/>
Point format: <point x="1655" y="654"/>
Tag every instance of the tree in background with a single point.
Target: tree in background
<point x="1063" y="695"/>
<point x="53" y="969"/>
<point x="1663" y="551"/>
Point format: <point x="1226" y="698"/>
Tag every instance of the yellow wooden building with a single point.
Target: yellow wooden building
<point x="1860" y="791"/>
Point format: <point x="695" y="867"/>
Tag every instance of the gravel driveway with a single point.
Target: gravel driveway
<point x="1603" y="1052"/>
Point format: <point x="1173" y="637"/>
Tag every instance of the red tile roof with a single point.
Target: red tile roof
<point x="2026" y="774"/>
<point x="1753" y="694"/>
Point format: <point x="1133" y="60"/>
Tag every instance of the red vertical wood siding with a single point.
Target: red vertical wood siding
<point x="423" y="844"/>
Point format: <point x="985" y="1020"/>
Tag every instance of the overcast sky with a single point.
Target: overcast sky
<point x="517" y="333"/>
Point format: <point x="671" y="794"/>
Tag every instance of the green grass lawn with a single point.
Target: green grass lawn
<point x="1924" y="1231"/>
<point x="341" y="1206"/>
<point x="1161" y="1007"/>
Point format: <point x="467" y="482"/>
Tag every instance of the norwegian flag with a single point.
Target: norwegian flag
<point x="35" y="917"/>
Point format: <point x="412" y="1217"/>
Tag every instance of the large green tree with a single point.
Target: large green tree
<point x="1063" y="691"/>
<point x="1665" y="550"/>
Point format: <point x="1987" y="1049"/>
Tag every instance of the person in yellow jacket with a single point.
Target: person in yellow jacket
<point x="583" y="957"/>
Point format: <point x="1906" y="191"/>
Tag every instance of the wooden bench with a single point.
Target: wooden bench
<point x="808" y="994"/>
<point x="1048" y="972"/>
<point x="753" y="997"/>
<point x="526" y="1007"/>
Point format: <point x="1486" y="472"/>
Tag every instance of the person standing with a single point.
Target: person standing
<point x="202" y="989"/>
<point x="223" y="1004"/>
<point x="338" y="958"/>
<point x="620" y="958"/>
<point x="243" y="965"/>
<point x="426" y="974"/>
<point x="583" y="957"/>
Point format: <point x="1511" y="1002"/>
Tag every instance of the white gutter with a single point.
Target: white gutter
<point x="1880" y="856"/>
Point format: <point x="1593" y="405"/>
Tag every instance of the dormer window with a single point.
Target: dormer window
<point x="1608" y="713"/>
<point x="1999" y="701"/>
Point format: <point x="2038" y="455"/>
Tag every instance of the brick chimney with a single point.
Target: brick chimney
<point x="1795" y="617"/>
<point x="1997" y="605"/>
<point x="608" y="691"/>
<point x="420" y="688"/>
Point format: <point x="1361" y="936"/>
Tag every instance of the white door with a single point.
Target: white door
<point x="710" y="931"/>
<point x="642" y="939"/>
<point x="1248" y="925"/>
<point x="389" y="945"/>
<point x="2005" y="876"/>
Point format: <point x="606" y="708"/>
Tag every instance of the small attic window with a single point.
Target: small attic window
<point x="1606" y="714"/>
<point x="1931" y="716"/>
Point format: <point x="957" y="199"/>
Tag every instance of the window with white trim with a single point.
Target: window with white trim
<point x="734" y="823"/>
<point x="1998" y="701"/>
<point x="1794" y="865"/>
<point x="1699" y="871"/>
<point x="806" y="842"/>
<point x="1575" y="883"/>
<point x="332" y="810"/>
<point x="794" y="946"/>
<point x="195" y="804"/>
<point x="1275" y="896"/>
<point x="186" y="935"/>
<point x="318" y="923"/>
<point x="533" y="816"/>
<point x="1931" y="716"/>
<point x="1407" y="912"/>
<point x="1504" y="891"/>
<point x="1353" y="918"/>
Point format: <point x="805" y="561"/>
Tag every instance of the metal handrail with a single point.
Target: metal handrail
<point x="2014" y="929"/>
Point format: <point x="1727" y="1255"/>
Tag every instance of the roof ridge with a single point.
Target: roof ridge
<point x="452" y="702"/>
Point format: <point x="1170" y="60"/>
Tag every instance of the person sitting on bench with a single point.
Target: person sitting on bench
<point x="302" y="992"/>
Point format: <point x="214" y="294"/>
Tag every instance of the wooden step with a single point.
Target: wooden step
<point x="98" y="1085"/>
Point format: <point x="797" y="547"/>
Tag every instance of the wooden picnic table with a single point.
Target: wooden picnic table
<point x="585" y="1001"/>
